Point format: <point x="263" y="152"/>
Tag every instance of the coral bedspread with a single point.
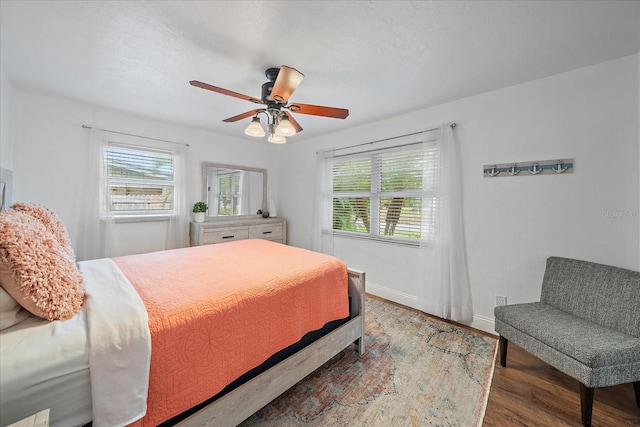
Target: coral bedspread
<point x="217" y="311"/>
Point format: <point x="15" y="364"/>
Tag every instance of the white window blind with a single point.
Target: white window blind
<point x="138" y="181"/>
<point x="384" y="194"/>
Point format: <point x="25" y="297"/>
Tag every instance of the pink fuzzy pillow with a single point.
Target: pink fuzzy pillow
<point x="51" y="222"/>
<point x="35" y="269"/>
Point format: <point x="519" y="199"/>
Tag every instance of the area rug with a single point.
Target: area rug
<point x="417" y="371"/>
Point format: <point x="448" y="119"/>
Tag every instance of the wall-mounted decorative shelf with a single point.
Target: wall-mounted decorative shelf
<point x="539" y="167"/>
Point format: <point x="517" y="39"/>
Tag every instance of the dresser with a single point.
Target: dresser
<point x="228" y="230"/>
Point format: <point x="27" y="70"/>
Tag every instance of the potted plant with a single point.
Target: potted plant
<point x="199" y="208"/>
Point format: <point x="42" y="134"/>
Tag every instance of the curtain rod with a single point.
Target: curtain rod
<point x="388" y="139"/>
<point x="137" y="136"/>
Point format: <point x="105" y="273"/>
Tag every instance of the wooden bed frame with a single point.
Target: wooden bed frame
<point x="239" y="404"/>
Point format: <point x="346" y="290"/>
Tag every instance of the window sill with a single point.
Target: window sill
<point x="140" y="218"/>
<point x="377" y="239"/>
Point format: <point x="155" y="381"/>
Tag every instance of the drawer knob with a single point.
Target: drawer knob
<point x="228" y="237"/>
<point x="267" y="232"/>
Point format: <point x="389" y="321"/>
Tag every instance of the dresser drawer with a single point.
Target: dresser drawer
<point x="266" y="231"/>
<point x="231" y="229"/>
<point x="228" y="234"/>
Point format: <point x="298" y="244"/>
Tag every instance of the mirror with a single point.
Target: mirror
<point x="233" y="190"/>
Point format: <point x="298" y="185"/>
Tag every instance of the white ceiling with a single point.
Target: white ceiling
<point x="376" y="58"/>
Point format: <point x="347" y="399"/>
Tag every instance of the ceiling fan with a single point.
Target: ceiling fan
<point x="276" y="92"/>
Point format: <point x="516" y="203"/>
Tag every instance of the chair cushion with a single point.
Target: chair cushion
<point x="591" y="344"/>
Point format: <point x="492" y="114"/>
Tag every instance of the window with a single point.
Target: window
<point x="229" y="194"/>
<point x="386" y="194"/>
<point x="138" y="181"/>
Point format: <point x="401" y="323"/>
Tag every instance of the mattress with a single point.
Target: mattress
<point x="55" y="376"/>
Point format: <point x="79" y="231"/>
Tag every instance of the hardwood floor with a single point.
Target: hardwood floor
<point x="529" y="392"/>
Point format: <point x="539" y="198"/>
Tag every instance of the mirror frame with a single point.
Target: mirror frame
<point x="206" y="165"/>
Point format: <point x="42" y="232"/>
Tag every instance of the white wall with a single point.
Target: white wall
<point x="6" y="121"/>
<point x="50" y="143"/>
<point x="513" y="223"/>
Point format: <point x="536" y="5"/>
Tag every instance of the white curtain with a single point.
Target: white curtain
<point x="322" y="218"/>
<point x="178" y="225"/>
<point x="447" y="290"/>
<point x="98" y="237"/>
<point x="96" y="228"/>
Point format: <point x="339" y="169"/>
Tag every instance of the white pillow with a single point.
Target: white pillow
<point x="10" y="311"/>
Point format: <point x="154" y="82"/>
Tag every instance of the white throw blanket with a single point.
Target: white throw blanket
<point x="119" y="345"/>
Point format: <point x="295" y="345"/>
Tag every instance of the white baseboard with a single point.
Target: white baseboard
<point x="392" y="295"/>
<point x="481" y="323"/>
<point x="484" y="324"/>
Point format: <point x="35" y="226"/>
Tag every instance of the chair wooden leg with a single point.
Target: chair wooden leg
<point x="636" y="388"/>
<point x="586" y="401"/>
<point x="503" y="344"/>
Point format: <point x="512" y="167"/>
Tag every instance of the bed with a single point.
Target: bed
<point x="230" y="327"/>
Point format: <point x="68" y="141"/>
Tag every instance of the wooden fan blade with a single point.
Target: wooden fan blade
<point x="286" y="83"/>
<point x="318" y="110"/>
<point x="243" y="115"/>
<point x="225" y="91"/>
<point x="294" y="123"/>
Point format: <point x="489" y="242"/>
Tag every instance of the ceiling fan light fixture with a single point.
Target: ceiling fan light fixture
<point x="285" y="128"/>
<point x="255" y="128"/>
<point x="276" y="139"/>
